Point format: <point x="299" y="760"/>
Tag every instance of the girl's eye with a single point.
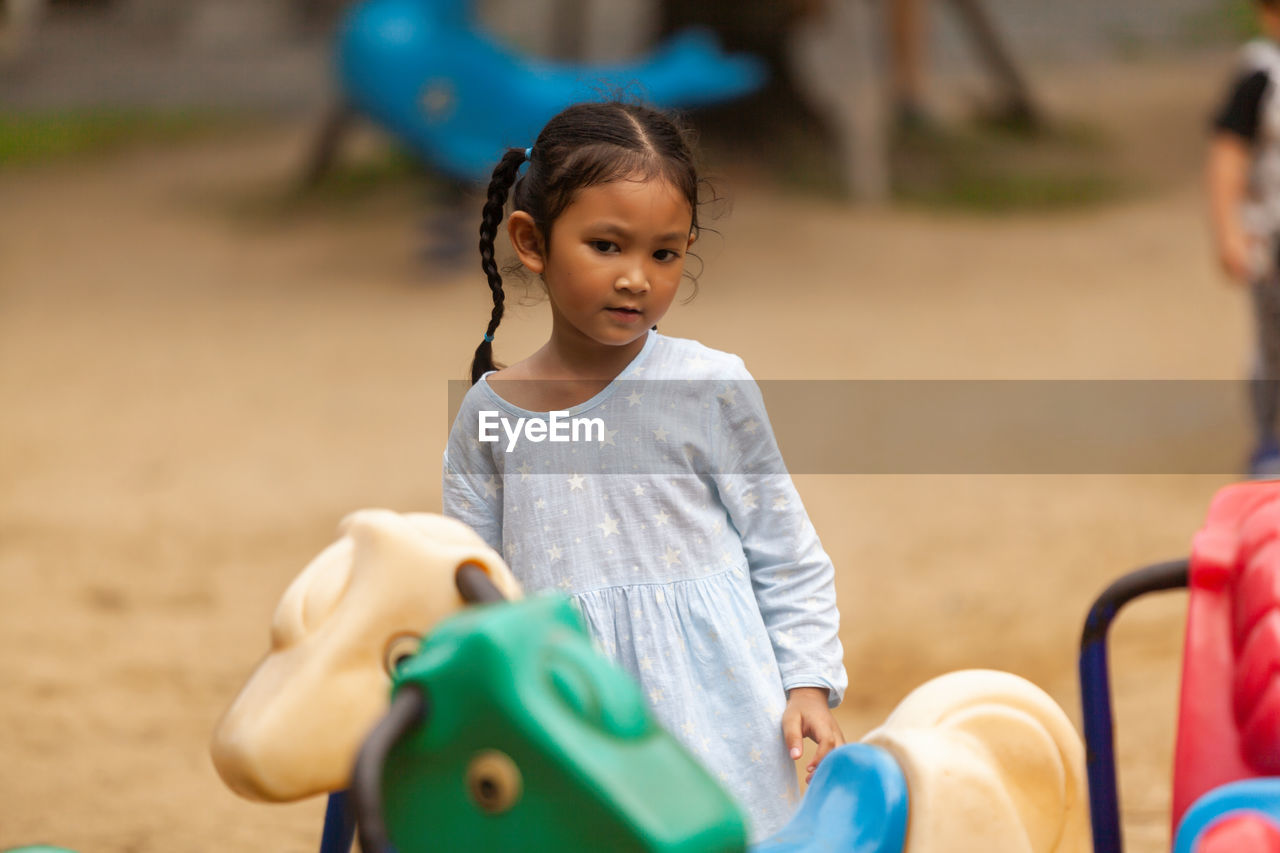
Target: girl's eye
<point x="604" y="247"/>
<point x="666" y="255"/>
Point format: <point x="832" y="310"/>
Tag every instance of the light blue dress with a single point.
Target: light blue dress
<point x="677" y="530"/>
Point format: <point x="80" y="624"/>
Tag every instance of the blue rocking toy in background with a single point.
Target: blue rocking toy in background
<point x="423" y="70"/>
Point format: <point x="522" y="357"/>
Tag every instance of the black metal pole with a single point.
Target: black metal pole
<point x="1095" y="694"/>
<point x="475" y="585"/>
<point x="409" y="708"/>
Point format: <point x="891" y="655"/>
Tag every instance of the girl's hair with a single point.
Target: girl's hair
<point x="585" y="145"/>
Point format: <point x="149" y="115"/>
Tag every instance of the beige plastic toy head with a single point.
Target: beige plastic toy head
<point x="338" y="632"/>
<point x="993" y="766"/>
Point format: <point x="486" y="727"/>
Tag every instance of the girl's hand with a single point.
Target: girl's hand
<point x="807" y="716"/>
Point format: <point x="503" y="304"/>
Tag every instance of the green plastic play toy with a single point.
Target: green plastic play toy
<point x="530" y="740"/>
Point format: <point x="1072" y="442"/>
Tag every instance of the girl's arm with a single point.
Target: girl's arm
<point x="792" y="576"/>
<point x="471" y="490"/>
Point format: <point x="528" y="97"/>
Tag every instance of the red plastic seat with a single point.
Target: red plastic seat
<point x="1229" y="711"/>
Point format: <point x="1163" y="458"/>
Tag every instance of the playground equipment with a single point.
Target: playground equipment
<point x="354" y="611"/>
<point x="457" y="98"/>
<point x="508" y="721"/>
<point x="987" y="760"/>
<point x="1226" y="798"/>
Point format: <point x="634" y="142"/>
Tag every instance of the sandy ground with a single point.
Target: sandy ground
<point x="191" y="397"/>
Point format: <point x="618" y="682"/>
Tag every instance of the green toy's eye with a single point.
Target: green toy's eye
<point x="399" y="649"/>
<point x="598" y="692"/>
<point x="493" y="781"/>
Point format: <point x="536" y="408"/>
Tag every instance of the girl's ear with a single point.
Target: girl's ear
<point x="527" y="240"/>
<point x="693" y="236"/>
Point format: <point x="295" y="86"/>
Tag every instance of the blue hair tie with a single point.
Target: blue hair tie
<point x="528" y="153"/>
<point x="489" y="338"/>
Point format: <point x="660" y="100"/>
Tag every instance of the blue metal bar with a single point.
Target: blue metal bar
<point x="1095" y="694"/>
<point x="339" y="825"/>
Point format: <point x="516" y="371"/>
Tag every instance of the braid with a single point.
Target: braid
<point x="499" y="186"/>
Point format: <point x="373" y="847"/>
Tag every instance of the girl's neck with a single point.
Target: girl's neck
<point x="563" y="377"/>
<point x="575" y="356"/>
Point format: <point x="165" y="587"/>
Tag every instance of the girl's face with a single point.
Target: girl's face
<point x="614" y="261"/>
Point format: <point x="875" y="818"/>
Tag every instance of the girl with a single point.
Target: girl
<point x="669" y="517"/>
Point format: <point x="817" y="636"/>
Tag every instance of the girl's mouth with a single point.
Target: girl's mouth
<point x="626" y="315"/>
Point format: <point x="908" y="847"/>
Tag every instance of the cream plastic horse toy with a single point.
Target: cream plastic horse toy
<point x="993" y="765"/>
<point x="364" y="602"/>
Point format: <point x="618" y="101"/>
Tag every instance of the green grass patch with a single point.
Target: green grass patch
<point x="998" y="193"/>
<point x="993" y="169"/>
<point x="33" y="138"/>
<point x="351" y="187"/>
<point x="988" y="166"/>
<point x="1227" y="21"/>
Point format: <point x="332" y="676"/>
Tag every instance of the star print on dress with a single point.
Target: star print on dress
<point x="660" y="434"/>
<point x="575" y="482"/>
<point x="607" y="438"/>
<point x="525" y="470"/>
<point x="749" y="500"/>
<point x="661" y="518"/>
<point x="554" y="553"/>
<point x="638" y="491"/>
<point x="672" y="557"/>
<point x="729" y="396"/>
<point x="609" y="526"/>
<point x="491" y="487"/>
<point x="634" y="398"/>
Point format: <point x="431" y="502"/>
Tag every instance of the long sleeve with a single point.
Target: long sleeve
<point x="471" y="490"/>
<point x="791" y="574"/>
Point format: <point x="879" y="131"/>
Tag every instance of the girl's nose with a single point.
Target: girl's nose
<point x="633" y="282"/>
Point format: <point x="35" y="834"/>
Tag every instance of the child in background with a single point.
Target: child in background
<point x="676" y="530"/>
<point x="1244" y="209"/>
